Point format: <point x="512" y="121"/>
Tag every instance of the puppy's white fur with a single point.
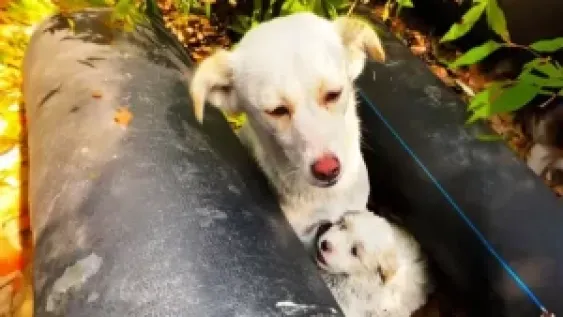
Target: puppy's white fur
<point x="373" y="268"/>
<point x="293" y="63"/>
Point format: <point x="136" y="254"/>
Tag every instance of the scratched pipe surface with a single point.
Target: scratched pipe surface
<point x="474" y="205"/>
<point x="161" y="217"/>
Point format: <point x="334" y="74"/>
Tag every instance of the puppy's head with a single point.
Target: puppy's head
<point x="359" y="243"/>
<point x="293" y="77"/>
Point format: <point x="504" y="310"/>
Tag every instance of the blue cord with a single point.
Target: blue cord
<point x="458" y="209"/>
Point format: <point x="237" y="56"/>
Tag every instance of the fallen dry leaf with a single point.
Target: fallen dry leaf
<point x="558" y="190"/>
<point x="97" y="94"/>
<point x="442" y="73"/>
<point x="418" y="49"/>
<point x="123" y="116"/>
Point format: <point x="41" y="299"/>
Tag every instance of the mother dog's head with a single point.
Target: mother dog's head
<point x="293" y="77"/>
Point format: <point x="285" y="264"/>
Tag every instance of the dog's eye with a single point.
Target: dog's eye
<point x="278" y="112"/>
<point x="222" y="88"/>
<point x="332" y="96"/>
<point x="354" y="251"/>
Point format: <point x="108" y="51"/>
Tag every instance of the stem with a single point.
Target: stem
<point x="208" y="9"/>
<point x="256" y="7"/>
<point x="277" y="8"/>
<point x="387" y="10"/>
<point x="398" y="11"/>
<point x="324" y="6"/>
<point x="548" y="101"/>
<point x="523" y="47"/>
<point x="263" y="10"/>
<point x="352" y="7"/>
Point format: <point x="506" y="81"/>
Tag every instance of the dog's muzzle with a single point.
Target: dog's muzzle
<point x="326" y="170"/>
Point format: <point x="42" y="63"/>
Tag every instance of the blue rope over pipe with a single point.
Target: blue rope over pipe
<point x="458" y="209"/>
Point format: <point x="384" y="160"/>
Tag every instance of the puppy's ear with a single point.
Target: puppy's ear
<point x="213" y="81"/>
<point x="358" y="38"/>
<point x="388" y="265"/>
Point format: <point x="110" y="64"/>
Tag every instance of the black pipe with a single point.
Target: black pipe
<point x="491" y="225"/>
<point x="158" y="216"/>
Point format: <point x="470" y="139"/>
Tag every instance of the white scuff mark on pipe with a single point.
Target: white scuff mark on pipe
<point x="290" y="308"/>
<point x="73" y="277"/>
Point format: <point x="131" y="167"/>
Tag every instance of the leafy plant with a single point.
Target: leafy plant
<point x="187" y="6"/>
<point x="541" y="76"/>
<point x="126" y="13"/>
<point x="494" y="15"/>
<point x="264" y="10"/>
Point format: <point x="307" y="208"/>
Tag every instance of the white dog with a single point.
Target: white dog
<point x="293" y="77"/>
<point x="373" y="268"/>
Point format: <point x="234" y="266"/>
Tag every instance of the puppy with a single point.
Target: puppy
<point x="293" y="77"/>
<point x="373" y="268"/>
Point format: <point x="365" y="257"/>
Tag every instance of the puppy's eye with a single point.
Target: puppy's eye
<point x="354" y="251"/>
<point x="278" y="111"/>
<point x="332" y="96"/>
<point x="342" y="226"/>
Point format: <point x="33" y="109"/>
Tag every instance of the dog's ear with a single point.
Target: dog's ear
<point x="388" y="265"/>
<point x="213" y="81"/>
<point x="358" y="38"/>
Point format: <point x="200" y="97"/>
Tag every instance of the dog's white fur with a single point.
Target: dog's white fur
<point x="293" y="63"/>
<point x="387" y="276"/>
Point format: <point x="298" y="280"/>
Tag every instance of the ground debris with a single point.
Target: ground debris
<point x="123" y="116"/>
<point x="96" y="94"/>
<point x="197" y="33"/>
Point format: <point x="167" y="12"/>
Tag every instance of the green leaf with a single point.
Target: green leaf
<point x="549" y="70"/>
<point x="489" y="137"/>
<point x="332" y="11"/>
<point x="476" y="54"/>
<point x="337" y="4"/>
<point x="467" y="21"/>
<point x="540" y="81"/>
<point x="548" y="46"/>
<point x="534" y="63"/>
<point x="405" y="3"/>
<point x="480" y="113"/>
<point x="480" y="99"/>
<point x="483" y="98"/>
<point x="514" y="97"/>
<point x="241" y="24"/>
<point x="496" y="20"/>
<point x="294" y="6"/>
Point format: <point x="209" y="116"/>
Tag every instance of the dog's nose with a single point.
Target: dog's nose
<point x="326" y="168"/>
<point x="326" y="246"/>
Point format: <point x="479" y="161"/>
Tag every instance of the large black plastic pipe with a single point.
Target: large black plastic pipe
<point x="161" y="218"/>
<point x="489" y="223"/>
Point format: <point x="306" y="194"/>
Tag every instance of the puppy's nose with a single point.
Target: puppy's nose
<point x="326" y="246"/>
<point x="326" y="168"/>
